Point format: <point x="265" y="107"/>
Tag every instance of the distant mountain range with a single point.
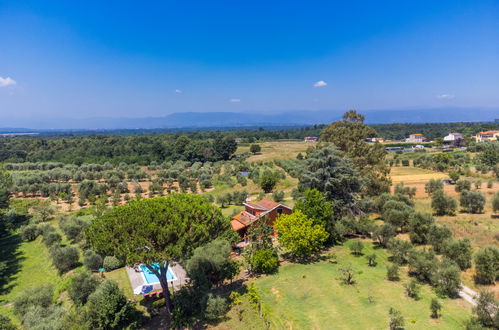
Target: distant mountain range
<point x="252" y="119"/>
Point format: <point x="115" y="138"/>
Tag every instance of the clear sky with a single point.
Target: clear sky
<point x="151" y="58"/>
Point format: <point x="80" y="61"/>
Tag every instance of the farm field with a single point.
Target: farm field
<point x="311" y="296"/>
<point x="277" y="150"/>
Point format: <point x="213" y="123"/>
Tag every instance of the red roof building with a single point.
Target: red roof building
<point x="253" y="212"/>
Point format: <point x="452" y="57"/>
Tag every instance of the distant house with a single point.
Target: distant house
<point x="254" y="212"/>
<point x="453" y="137"/>
<point x="311" y="139"/>
<point x="238" y="140"/>
<point x="415" y="138"/>
<point x="375" y="139"/>
<point x="487" y="136"/>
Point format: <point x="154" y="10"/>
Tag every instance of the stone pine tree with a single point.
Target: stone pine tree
<point x="158" y="231"/>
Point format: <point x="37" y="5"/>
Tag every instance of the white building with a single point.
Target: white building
<point x="415" y="138"/>
<point x="452" y="137"/>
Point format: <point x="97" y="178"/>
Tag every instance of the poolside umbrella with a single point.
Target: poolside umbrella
<point x="143" y="289"/>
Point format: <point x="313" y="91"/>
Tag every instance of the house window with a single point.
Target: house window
<point x="279" y="211"/>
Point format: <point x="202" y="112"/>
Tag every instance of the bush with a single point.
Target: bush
<point x="64" y="258"/>
<point x="51" y="238"/>
<point x="495" y="203"/>
<point x="435" y="308"/>
<point x="422" y="264"/>
<point x="460" y="252"/>
<point x="81" y="286"/>
<point x="384" y="233"/>
<point x="264" y="261"/>
<point x="487" y="265"/>
<point x="216" y="307"/>
<point x="30" y="232"/>
<point x="463" y="185"/>
<point x="420" y="225"/>
<point x="278" y="196"/>
<point x="33" y="296"/>
<point x="111" y="263"/>
<point x="443" y="204"/>
<point x="486" y="310"/>
<point x="108" y="308"/>
<point x="396" y="319"/>
<point x="446" y="278"/>
<point x="472" y="201"/>
<point x="92" y="260"/>
<point x="392" y="272"/>
<point x="413" y="289"/>
<point x="6" y="323"/>
<point x="38" y="317"/>
<point x="73" y="228"/>
<point x="437" y="237"/>
<point x="397" y="213"/>
<point x="400" y="250"/>
<point x="433" y="185"/>
<point x="356" y="247"/>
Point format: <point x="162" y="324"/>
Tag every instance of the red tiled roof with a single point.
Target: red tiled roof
<point x="488" y="132"/>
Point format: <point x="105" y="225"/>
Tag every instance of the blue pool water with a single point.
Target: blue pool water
<point x="151" y="278"/>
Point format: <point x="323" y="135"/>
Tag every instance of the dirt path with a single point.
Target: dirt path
<point x="7" y="305"/>
<point x="468" y="295"/>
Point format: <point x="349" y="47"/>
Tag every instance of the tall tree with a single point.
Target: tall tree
<point x="158" y="231"/>
<point x="349" y="135"/>
<point x="332" y="174"/>
<point x="315" y="206"/>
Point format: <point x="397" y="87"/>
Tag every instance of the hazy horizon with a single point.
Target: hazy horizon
<point x="123" y="60"/>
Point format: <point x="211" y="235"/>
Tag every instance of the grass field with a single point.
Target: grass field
<point x="29" y="265"/>
<point x="277" y="150"/>
<point x="414" y="174"/>
<point x="311" y="296"/>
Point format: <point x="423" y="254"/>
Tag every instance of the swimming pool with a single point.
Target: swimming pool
<point x="150" y="278"/>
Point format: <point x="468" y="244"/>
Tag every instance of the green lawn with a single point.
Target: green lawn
<point x="311" y="296"/>
<point x="30" y="265"/>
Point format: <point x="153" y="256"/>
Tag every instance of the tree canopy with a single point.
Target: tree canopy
<point x="157" y="231"/>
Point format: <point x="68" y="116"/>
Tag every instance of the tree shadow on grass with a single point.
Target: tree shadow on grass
<point x="10" y="254"/>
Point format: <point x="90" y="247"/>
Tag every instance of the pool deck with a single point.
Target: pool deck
<point x="137" y="279"/>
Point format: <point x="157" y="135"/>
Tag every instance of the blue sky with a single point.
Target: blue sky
<point x="134" y="58"/>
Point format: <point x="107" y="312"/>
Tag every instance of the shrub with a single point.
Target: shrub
<point x="486" y="310"/>
<point x="392" y="272"/>
<point x="30" y="232"/>
<point x="38" y="317"/>
<point x="460" y="252"/>
<point x="446" y="278"/>
<point x="487" y="265"/>
<point x="278" y="196"/>
<point x="384" y="233"/>
<point x="422" y="264"/>
<point x="472" y="201"/>
<point x="413" y="289"/>
<point x="64" y="258"/>
<point x="33" y="296"/>
<point x="51" y="238"/>
<point x="255" y="148"/>
<point x="397" y="213"/>
<point x="432" y="186"/>
<point x="108" y="308"/>
<point x="111" y="263"/>
<point x="356" y="247"/>
<point x="463" y="185"/>
<point x="490" y="184"/>
<point x="495" y="203"/>
<point x="6" y="323"/>
<point x="435" y="308"/>
<point x="216" y="307"/>
<point x="371" y="259"/>
<point x="400" y="250"/>
<point x="420" y="225"/>
<point x="437" y="237"/>
<point x="92" y="260"/>
<point x="396" y="319"/>
<point x="264" y="261"/>
<point x="443" y="204"/>
<point x="73" y="228"/>
<point x="81" y="286"/>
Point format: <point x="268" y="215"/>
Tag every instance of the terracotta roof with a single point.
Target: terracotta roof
<point x="268" y="204"/>
<point x="488" y="132"/>
<point x="242" y="219"/>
